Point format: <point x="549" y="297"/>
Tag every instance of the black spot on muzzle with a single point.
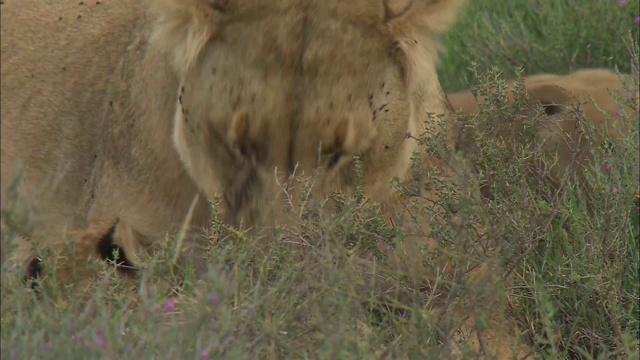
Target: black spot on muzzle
<point x="113" y="253"/>
<point x="107" y="251"/>
<point x="34" y="270"/>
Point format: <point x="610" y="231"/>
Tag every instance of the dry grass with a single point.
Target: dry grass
<point x="342" y="284"/>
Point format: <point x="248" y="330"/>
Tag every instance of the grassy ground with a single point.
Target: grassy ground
<point x="540" y="36"/>
<point x="350" y="287"/>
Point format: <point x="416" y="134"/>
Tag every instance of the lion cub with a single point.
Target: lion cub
<point x="574" y="104"/>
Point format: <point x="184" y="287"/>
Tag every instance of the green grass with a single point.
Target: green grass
<point x="539" y="36"/>
<point x="348" y="286"/>
<point x="575" y="268"/>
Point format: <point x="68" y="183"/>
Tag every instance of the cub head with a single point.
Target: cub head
<point x="272" y="88"/>
<point x="573" y="105"/>
<point x="585" y="113"/>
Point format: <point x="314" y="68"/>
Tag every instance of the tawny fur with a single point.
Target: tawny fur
<point x="565" y="136"/>
<point x="129" y="109"/>
<point x="118" y="112"/>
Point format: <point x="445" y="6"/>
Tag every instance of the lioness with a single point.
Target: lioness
<point x="590" y="95"/>
<point x="124" y="111"/>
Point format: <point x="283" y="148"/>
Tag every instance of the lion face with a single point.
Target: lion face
<point x="270" y="88"/>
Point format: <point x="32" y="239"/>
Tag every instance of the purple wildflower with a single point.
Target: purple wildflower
<point x="622" y="2"/>
<point x="47" y="346"/>
<point x="170" y="306"/>
<point x="614" y="189"/>
<point x="100" y="341"/>
<point x="215" y="299"/>
<point x="204" y="354"/>
<point x="636" y="20"/>
<point x="606" y="167"/>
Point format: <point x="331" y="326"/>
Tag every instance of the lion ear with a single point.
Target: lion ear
<point x="553" y="99"/>
<point x="183" y="28"/>
<point x="436" y="15"/>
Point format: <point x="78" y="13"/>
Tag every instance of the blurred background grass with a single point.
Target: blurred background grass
<point x="554" y="36"/>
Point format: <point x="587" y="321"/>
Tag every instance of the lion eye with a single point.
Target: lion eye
<point x="334" y="159"/>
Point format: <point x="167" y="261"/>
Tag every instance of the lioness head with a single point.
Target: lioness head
<point x="276" y="87"/>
